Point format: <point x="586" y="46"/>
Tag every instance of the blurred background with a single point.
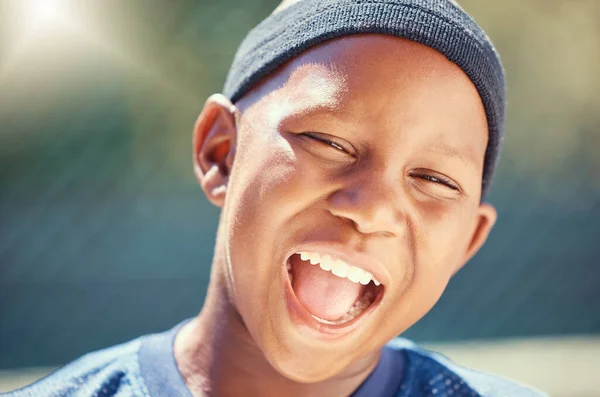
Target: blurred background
<point x="105" y="234"/>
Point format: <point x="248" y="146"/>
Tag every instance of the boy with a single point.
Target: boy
<point x="350" y="155"/>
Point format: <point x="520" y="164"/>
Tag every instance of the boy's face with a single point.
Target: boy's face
<point x="368" y="147"/>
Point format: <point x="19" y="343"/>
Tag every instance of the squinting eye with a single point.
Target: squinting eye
<point x="320" y="138"/>
<point x="438" y="179"/>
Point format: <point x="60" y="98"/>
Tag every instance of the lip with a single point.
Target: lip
<point x="304" y="320"/>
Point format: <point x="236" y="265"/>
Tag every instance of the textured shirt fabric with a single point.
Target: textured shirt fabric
<point x="146" y="367"/>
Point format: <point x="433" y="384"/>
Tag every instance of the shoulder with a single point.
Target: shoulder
<point x="429" y="373"/>
<point x="109" y="372"/>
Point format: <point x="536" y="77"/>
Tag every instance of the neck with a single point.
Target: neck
<point x="217" y="356"/>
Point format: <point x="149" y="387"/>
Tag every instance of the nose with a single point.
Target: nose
<point x="372" y="202"/>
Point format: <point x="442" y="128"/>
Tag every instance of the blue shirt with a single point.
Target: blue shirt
<point x="146" y="367"/>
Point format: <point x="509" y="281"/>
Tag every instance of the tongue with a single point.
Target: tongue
<point x="322" y="293"/>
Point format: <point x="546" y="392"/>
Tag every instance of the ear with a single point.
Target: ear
<point x="214" y="147"/>
<point x="485" y="220"/>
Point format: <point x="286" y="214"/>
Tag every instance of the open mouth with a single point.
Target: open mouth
<point x="331" y="290"/>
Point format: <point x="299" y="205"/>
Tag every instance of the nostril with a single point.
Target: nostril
<point x="363" y="227"/>
<point x="371" y="229"/>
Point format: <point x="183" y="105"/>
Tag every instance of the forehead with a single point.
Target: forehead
<point x="379" y="81"/>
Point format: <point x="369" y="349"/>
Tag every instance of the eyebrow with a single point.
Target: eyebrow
<point x="449" y="151"/>
<point x="323" y="109"/>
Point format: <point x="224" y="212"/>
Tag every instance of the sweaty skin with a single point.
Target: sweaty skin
<point x="369" y="142"/>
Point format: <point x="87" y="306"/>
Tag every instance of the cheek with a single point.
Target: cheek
<point x="266" y="190"/>
<point x="445" y="232"/>
<point x="252" y="218"/>
<point x="275" y="180"/>
<point x="266" y="182"/>
<point x="441" y="243"/>
<point x="438" y="243"/>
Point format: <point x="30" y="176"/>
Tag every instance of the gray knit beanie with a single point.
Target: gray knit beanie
<point x="439" y="24"/>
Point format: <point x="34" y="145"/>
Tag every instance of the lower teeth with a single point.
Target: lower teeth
<point x="361" y="304"/>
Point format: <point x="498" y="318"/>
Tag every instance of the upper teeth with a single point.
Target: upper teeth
<point x="339" y="267"/>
